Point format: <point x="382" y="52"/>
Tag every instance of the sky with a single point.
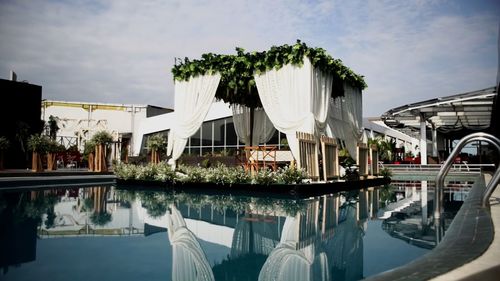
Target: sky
<point x="122" y="51"/>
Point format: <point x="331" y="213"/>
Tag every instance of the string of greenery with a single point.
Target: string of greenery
<point x="237" y="84"/>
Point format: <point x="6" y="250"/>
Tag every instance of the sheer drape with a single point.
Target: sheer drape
<point x="286" y="262"/>
<point x="296" y="99"/>
<point x="263" y="129"/>
<point x="346" y="248"/>
<point x="188" y="259"/>
<point x="193" y="99"/>
<point x="345" y="118"/>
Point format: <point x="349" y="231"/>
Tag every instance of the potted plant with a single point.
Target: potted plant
<point x="53" y="147"/>
<point x="4" y="145"/>
<point x="155" y="145"/>
<point x="89" y="154"/>
<point x="38" y="145"/>
<point x="101" y="139"/>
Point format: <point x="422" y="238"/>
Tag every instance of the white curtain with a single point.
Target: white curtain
<point x="287" y="263"/>
<point x="193" y="99"/>
<point x="263" y="129"/>
<point x="188" y="259"/>
<point x="345" y="117"/>
<point x="296" y="99"/>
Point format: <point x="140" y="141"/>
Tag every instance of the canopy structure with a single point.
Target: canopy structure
<point x="299" y="88"/>
<point x="452" y="116"/>
<point x="467" y="111"/>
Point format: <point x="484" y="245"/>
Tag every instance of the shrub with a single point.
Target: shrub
<point x="125" y="171"/>
<point x="264" y="177"/>
<point x="385" y="172"/>
<point x="238" y="175"/>
<point x="195" y="175"/>
<point x="290" y="175"/>
<point x="218" y="175"/>
<point x="165" y="173"/>
<point x="147" y="172"/>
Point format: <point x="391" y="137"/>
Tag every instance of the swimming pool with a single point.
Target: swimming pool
<point x="105" y="233"/>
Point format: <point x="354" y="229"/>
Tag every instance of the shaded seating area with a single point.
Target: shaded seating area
<point x="300" y="91"/>
<point x="254" y="158"/>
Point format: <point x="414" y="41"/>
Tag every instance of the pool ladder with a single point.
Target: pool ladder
<point x="439" y="193"/>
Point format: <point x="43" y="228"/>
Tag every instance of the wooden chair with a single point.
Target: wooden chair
<point x="308" y="155"/>
<point x="268" y="157"/>
<point x="330" y="152"/>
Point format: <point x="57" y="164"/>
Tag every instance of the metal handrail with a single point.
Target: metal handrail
<point x="438" y="198"/>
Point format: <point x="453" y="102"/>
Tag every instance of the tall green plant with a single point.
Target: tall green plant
<point x="37" y="143"/>
<point x="88" y="148"/>
<point x="156" y="142"/>
<point x="102" y="137"/>
<point x="53" y="127"/>
<point x="54" y="147"/>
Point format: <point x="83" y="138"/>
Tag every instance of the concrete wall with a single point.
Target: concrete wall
<point x="83" y="120"/>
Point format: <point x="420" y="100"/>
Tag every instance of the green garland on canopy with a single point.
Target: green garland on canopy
<point x="237" y="84"/>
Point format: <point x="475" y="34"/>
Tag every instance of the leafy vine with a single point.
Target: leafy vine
<point x="237" y="84"/>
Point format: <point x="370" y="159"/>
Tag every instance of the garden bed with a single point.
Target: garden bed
<point x="301" y="190"/>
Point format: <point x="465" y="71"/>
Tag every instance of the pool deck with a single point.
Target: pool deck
<point x="10" y="179"/>
<point x="487" y="266"/>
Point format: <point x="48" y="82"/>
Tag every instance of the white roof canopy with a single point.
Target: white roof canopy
<point x="467" y="111"/>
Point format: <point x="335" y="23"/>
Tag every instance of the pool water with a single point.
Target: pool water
<point x="104" y="233"/>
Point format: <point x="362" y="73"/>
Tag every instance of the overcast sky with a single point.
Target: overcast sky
<point x="122" y="51"/>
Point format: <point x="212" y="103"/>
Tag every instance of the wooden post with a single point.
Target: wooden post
<point x="97" y="159"/>
<point x="104" y="165"/>
<point x="155" y="156"/>
<point x="91" y="162"/>
<point x="36" y="162"/>
<point x="51" y="159"/>
<point x="330" y="153"/>
<point x="100" y="159"/>
<point x="308" y="156"/>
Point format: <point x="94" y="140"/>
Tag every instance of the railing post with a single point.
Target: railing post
<point x="438" y="198"/>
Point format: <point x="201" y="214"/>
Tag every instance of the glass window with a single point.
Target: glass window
<point x="195" y="139"/>
<point x="219" y="132"/>
<point x="231" y="137"/>
<point x="206" y="134"/>
<point x="274" y="140"/>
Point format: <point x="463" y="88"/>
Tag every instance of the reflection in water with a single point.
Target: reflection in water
<point x="188" y="260"/>
<point x="319" y="238"/>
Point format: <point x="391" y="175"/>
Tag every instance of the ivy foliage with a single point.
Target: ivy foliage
<point x="237" y="84"/>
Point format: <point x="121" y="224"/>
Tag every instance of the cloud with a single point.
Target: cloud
<point x="410" y="53"/>
<point x="122" y="51"/>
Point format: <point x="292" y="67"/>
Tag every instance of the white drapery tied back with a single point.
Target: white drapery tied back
<point x="193" y="99"/>
<point x="296" y="99"/>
